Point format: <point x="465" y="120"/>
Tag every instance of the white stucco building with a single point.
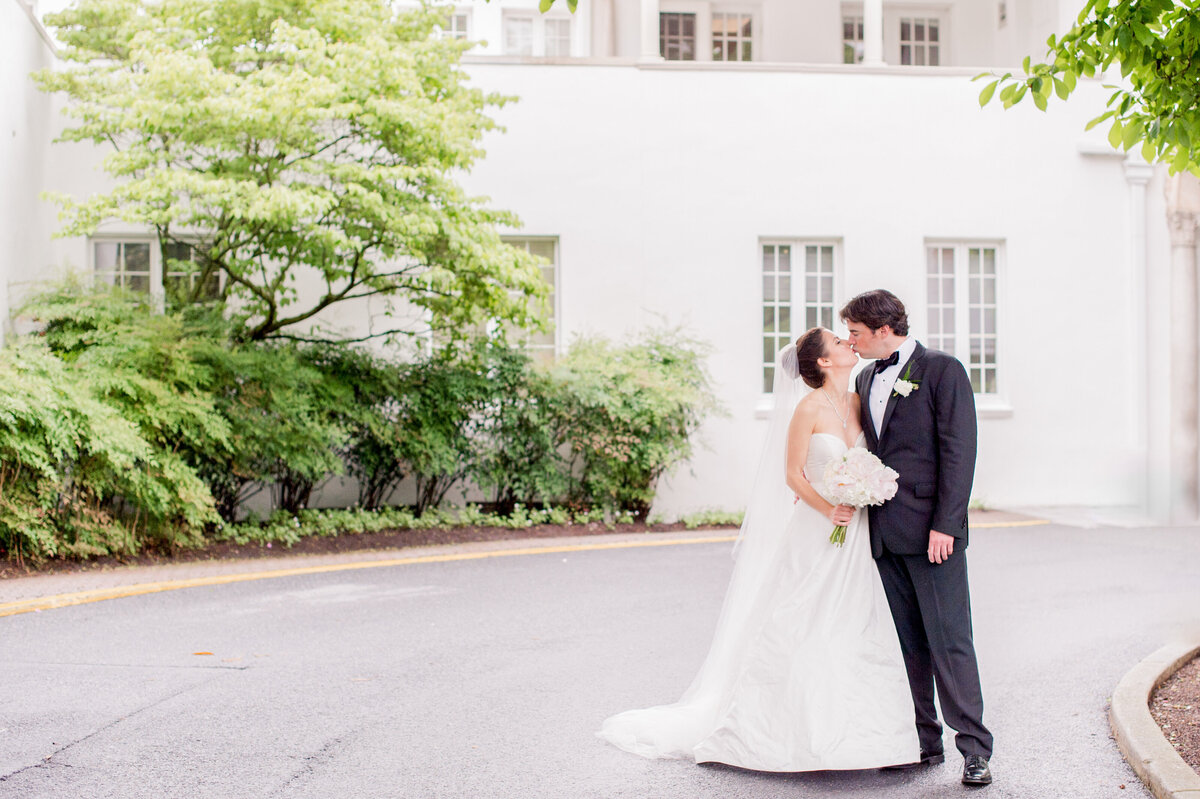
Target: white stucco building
<point x="722" y="167"/>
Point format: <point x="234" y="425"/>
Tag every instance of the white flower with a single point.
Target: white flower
<point x="905" y="387"/>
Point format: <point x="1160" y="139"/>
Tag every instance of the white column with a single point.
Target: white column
<point x="872" y="32"/>
<point x="1152" y="440"/>
<point x="1183" y="214"/>
<point x="650" y="50"/>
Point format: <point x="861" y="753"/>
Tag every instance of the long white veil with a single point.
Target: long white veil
<point x="673" y="730"/>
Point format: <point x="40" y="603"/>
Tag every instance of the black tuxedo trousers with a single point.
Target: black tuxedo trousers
<point x="929" y="438"/>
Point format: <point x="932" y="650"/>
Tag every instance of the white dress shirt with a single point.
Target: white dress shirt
<point x="885" y="381"/>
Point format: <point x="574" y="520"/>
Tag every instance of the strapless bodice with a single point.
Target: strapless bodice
<point x="822" y="449"/>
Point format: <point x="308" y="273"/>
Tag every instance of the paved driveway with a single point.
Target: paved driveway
<point x="486" y="678"/>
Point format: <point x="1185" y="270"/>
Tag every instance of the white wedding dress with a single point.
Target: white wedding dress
<point x="805" y="671"/>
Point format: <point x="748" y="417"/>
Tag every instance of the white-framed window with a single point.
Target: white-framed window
<point x="543" y="345"/>
<point x="852" y="39"/>
<point x="732" y="36"/>
<point x="456" y="26"/>
<point x="124" y="263"/>
<point x="518" y="34"/>
<point x="797" y="293"/>
<point x="677" y="36"/>
<point x="963" y="306"/>
<point x="537" y="35"/>
<point x="920" y="41"/>
<point x="140" y="264"/>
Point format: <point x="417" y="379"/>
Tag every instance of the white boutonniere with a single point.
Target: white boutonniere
<point x="904" y="386"/>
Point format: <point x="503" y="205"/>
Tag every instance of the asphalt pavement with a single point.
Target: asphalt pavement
<point x="487" y="677"/>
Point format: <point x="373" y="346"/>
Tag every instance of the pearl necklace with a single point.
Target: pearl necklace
<point x="844" y="419"/>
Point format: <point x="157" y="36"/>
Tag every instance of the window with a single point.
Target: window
<point x="962" y="308"/>
<point x="731" y="36"/>
<point x="790" y="283"/>
<point x="518" y="35"/>
<point x="530" y="35"/>
<point x="123" y="263"/>
<point x="558" y="37"/>
<point x="852" y="40"/>
<point x="455" y="26"/>
<point x="919" y="41"/>
<point x="181" y="275"/>
<point x="138" y="265"/>
<point x="543" y="344"/>
<point x="677" y="36"/>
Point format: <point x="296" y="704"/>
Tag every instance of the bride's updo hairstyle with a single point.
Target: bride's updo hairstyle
<point x="809" y="348"/>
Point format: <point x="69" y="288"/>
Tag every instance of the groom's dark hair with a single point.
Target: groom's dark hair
<point x="876" y="309"/>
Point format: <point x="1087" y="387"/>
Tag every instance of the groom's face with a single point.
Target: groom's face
<point x="867" y="342"/>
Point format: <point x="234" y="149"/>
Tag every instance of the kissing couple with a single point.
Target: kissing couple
<point x="823" y="656"/>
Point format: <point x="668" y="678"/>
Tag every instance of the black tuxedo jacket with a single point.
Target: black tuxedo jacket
<point x="929" y="437"/>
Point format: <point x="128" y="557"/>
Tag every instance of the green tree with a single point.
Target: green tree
<point x="306" y="143"/>
<point x="1155" y="43"/>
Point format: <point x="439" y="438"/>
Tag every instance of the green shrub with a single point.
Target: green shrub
<point x="631" y="413"/>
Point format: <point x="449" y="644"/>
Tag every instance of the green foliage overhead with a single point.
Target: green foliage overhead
<point x="312" y="146"/>
<point x="1155" y="43"/>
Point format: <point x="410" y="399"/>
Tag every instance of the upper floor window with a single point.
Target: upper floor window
<point x="852" y="39"/>
<point x="732" y="36"/>
<point x="677" y="36"/>
<point x="537" y="35"/>
<point x="919" y="41"/>
<point x="797" y="279"/>
<point x="962" y="305"/>
<point x="456" y="25"/>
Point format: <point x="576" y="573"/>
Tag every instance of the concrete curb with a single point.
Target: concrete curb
<point x="1139" y="738"/>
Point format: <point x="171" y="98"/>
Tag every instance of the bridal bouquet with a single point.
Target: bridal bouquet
<point x="858" y="478"/>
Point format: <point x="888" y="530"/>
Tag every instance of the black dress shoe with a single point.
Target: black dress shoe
<point x="976" y="771"/>
<point x="927" y="759"/>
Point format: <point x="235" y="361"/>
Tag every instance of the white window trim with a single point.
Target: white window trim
<point x="158" y="292"/>
<point x="539" y="32"/>
<point x="455" y="11"/>
<point x="704" y="20"/>
<point x="987" y="406"/>
<point x="766" y="402"/>
<point x="556" y="308"/>
<point x="893" y="10"/>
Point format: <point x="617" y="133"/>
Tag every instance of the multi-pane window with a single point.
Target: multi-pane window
<point x="732" y="36"/>
<point x="795" y="277"/>
<point x="122" y="263"/>
<point x="919" y="41"/>
<point x="455" y="26"/>
<point x="677" y="36"/>
<point x="852" y="40"/>
<point x="518" y="35"/>
<point x="541" y="343"/>
<point x="558" y="37"/>
<point x="962" y="308"/>
<point x="181" y="275"/>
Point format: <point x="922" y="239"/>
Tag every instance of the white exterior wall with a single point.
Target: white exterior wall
<point x="660" y="182"/>
<point x="25" y="221"/>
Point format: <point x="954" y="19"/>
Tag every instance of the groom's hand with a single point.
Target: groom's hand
<point x="940" y="546"/>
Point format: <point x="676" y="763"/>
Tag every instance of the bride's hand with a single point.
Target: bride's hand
<point x="840" y="514"/>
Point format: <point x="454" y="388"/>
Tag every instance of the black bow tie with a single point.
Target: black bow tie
<point x="884" y="363"/>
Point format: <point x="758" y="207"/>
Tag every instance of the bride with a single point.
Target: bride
<point x="804" y="672"/>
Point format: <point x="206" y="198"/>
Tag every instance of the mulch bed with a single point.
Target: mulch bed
<point x="1176" y="708"/>
<point x="324" y="545"/>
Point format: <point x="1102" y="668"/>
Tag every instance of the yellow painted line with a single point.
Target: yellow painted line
<point x="100" y="594"/>
<point x="137" y="589"/>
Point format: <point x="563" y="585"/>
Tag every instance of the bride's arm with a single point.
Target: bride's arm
<point x="800" y="431"/>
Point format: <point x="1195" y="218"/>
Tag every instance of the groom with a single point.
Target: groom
<point x="918" y="412"/>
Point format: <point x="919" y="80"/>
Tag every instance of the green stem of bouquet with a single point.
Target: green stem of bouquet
<point x="838" y="536"/>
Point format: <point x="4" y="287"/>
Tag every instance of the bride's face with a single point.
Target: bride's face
<point x="839" y="351"/>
